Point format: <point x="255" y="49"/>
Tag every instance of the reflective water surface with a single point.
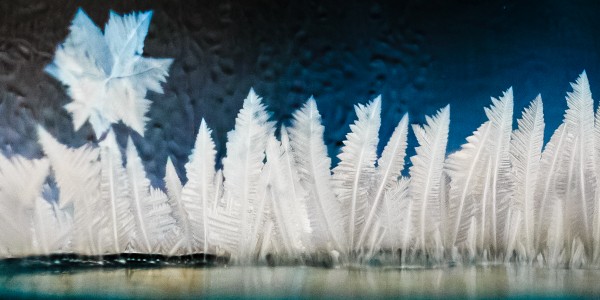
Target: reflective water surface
<point x="304" y="282"/>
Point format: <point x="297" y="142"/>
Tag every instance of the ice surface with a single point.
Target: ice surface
<point x="294" y="282"/>
<point x="420" y="55"/>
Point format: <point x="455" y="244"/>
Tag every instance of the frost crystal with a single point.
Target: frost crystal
<point x="499" y="198"/>
<point x="106" y="75"/>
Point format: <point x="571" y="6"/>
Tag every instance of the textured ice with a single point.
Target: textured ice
<point x="293" y="282"/>
<point x="419" y="55"/>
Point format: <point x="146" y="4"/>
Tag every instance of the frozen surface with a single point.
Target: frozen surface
<point x="419" y="55"/>
<point x="305" y="282"/>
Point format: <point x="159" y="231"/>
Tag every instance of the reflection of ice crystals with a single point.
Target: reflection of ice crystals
<point x="281" y="282"/>
<point x="498" y="198"/>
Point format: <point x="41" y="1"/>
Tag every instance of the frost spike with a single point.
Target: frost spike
<point x="546" y="193"/>
<point x="21" y="183"/>
<point x="198" y="193"/>
<point x="242" y="166"/>
<point x="526" y="147"/>
<point x="579" y="119"/>
<point x="180" y="212"/>
<point x="357" y="167"/>
<point x="81" y="192"/>
<point x="394" y="203"/>
<point x="463" y="184"/>
<point x="500" y="116"/>
<point x="114" y="190"/>
<point x="389" y="167"/>
<point x="140" y="192"/>
<point x="310" y="153"/>
<point x="426" y="173"/>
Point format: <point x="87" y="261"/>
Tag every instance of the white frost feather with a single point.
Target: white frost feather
<point x="357" y="168"/>
<point x="324" y="210"/>
<point x="426" y="174"/>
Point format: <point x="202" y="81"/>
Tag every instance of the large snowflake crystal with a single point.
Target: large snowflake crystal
<point x="106" y="74"/>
